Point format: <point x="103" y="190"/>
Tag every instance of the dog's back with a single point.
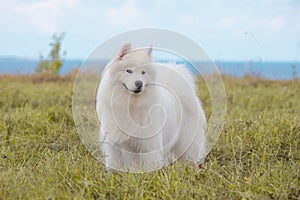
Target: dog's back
<point x="187" y="121"/>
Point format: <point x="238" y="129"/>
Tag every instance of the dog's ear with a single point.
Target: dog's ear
<point x="124" y="50"/>
<point x="150" y="50"/>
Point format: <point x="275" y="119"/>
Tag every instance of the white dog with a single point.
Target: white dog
<point x="149" y="113"/>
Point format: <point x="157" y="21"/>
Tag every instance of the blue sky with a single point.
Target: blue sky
<point x="266" y="30"/>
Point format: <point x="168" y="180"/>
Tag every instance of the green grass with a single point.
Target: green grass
<point x="42" y="157"/>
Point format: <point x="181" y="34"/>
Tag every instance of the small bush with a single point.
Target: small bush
<point x="52" y="64"/>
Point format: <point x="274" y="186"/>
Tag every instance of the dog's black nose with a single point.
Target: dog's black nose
<point x="138" y="84"/>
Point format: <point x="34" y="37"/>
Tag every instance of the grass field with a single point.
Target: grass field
<point x="256" y="157"/>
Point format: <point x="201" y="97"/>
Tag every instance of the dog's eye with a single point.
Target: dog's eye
<point x="143" y="72"/>
<point x="129" y="71"/>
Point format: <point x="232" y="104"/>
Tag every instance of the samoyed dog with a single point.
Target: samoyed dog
<point x="149" y="113"/>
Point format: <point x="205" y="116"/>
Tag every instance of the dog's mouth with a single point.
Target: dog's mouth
<point x="136" y="91"/>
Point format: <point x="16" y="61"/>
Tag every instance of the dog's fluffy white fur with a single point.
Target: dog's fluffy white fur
<point x="149" y="113"/>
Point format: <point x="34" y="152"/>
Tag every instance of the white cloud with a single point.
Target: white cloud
<point x="41" y="16"/>
<point x="187" y="20"/>
<point x="274" y="24"/>
<point x="227" y="22"/>
<point x="126" y="15"/>
<point x="274" y="2"/>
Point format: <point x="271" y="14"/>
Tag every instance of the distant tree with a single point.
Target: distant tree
<point x="294" y="73"/>
<point x="52" y="64"/>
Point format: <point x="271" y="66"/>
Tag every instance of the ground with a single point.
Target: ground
<point x="42" y="157"/>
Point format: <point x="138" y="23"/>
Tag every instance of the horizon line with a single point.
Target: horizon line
<point x="108" y="59"/>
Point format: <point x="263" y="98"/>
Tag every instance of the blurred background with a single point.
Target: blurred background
<point x="260" y="38"/>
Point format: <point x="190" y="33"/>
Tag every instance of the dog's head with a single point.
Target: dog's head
<point x="132" y="68"/>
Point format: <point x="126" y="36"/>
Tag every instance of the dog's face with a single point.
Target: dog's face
<point x="132" y="69"/>
<point x="136" y="79"/>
